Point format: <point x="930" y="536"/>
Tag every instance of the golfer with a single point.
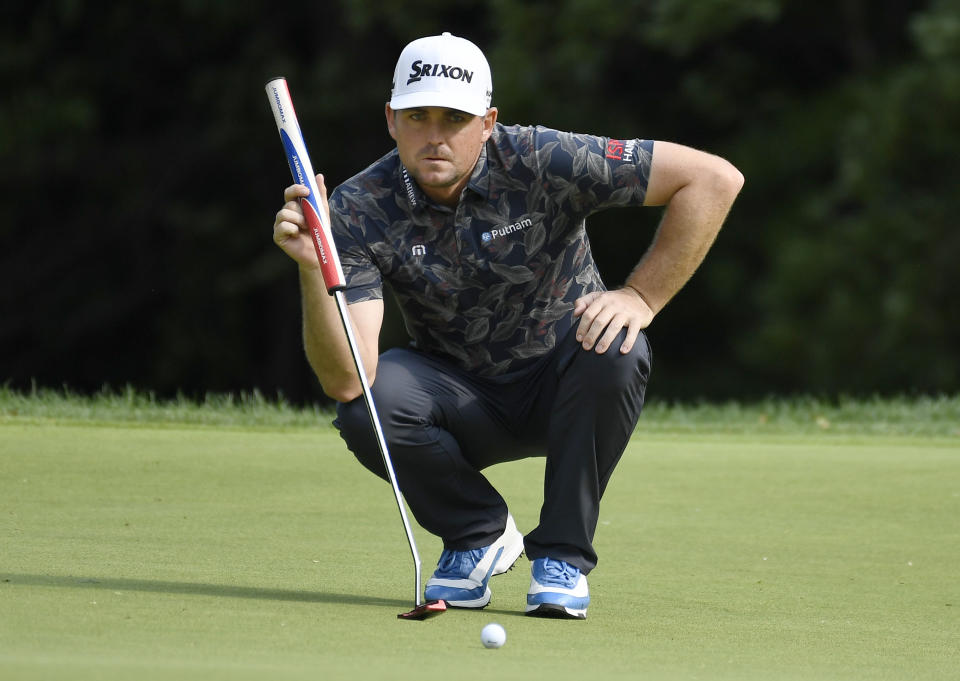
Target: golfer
<point x="518" y="348"/>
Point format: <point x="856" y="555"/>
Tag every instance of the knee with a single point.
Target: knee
<point x="400" y="412"/>
<point x="353" y="422"/>
<point x="391" y="396"/>
<point x="616" y="372"/>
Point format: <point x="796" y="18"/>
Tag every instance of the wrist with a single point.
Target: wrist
<point x="643" y="296"/>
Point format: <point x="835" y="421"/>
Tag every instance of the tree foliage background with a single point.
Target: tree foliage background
<point x="140" y="171"/>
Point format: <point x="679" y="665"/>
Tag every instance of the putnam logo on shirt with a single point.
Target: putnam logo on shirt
<point x="500" y="232"/>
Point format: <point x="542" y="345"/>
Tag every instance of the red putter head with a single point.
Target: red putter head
<point x="425" y="610"/>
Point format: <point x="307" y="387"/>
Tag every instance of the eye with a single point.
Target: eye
<point x="457" y="117"/>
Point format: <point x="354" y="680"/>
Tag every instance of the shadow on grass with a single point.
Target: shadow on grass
<point x="197" y="589"/>
<point x="504" y="613"/>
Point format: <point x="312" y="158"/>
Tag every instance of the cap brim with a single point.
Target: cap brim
<point x="446" y="100"/>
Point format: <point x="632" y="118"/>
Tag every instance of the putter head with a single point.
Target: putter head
<point x="425" y="610"/>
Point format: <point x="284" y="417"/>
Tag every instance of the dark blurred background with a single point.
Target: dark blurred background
<point x="140" y="171"/>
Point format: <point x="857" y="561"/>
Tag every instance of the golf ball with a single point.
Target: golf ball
<point x="493" y="635"/>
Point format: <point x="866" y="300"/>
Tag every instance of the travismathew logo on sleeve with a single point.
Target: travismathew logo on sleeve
<point x="420" y="70"/>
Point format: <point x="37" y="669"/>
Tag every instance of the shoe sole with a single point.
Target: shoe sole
<point x="476" y="604"/>
<point x="554" y="611"/>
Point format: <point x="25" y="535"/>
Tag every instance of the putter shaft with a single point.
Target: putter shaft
<point x="381" y="441"/>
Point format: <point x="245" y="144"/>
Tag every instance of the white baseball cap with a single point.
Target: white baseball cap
<point x="442" y="70"/>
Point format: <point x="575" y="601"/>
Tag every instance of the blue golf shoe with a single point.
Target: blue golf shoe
<point x="462" y="577"/>
<point x="557" y="589"/>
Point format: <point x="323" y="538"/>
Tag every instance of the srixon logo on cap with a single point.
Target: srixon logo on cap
<point x="420" y="70"/>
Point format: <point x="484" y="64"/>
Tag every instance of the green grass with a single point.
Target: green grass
<point x="152" y="540"/>
<point x="899" y="416"/>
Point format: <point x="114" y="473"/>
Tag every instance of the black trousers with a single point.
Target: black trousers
<point x="443" y="426"/>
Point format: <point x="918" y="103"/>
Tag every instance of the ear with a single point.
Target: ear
<point x="391" y="121"/>
<point x="489" y="119"/>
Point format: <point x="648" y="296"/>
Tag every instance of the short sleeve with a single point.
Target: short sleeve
<point x="363" y="278"/>
<point x="587" y="173"/>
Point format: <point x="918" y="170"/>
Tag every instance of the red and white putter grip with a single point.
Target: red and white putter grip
<point x="301" y="169"/>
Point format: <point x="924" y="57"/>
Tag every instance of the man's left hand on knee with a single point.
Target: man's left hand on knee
<point x="603" y="315"/>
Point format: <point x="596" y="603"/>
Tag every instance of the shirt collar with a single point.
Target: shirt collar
<point x="480" y="179"/>
<point x="415" y="196"/>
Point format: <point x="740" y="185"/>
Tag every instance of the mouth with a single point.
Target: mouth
<point x="431" y="156"/>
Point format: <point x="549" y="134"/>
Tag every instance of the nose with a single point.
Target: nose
<point x="434" y="133"/>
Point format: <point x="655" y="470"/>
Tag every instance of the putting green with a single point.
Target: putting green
<point x="189" y="552"/>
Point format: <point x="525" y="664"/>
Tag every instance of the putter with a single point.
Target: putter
<point x="319" y="224"/>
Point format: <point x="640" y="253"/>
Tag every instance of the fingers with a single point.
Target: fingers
<point x="627" y="345"/>
<point x="582" y="303"/>
<point x="322" y="188"/>
<point x="290" y="231"/>
<point x="605" y="315"/>
<point x="295" y="191"/>
<point x="599" y="328"/>
<point x="298" y="191"/>
<point x="290" y="216"/>
<point x="289" y="221"/>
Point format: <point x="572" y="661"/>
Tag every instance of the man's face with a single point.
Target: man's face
<point x="439" y="147"/>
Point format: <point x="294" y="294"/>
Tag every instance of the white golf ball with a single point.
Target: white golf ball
<point x="493" y="635"/>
